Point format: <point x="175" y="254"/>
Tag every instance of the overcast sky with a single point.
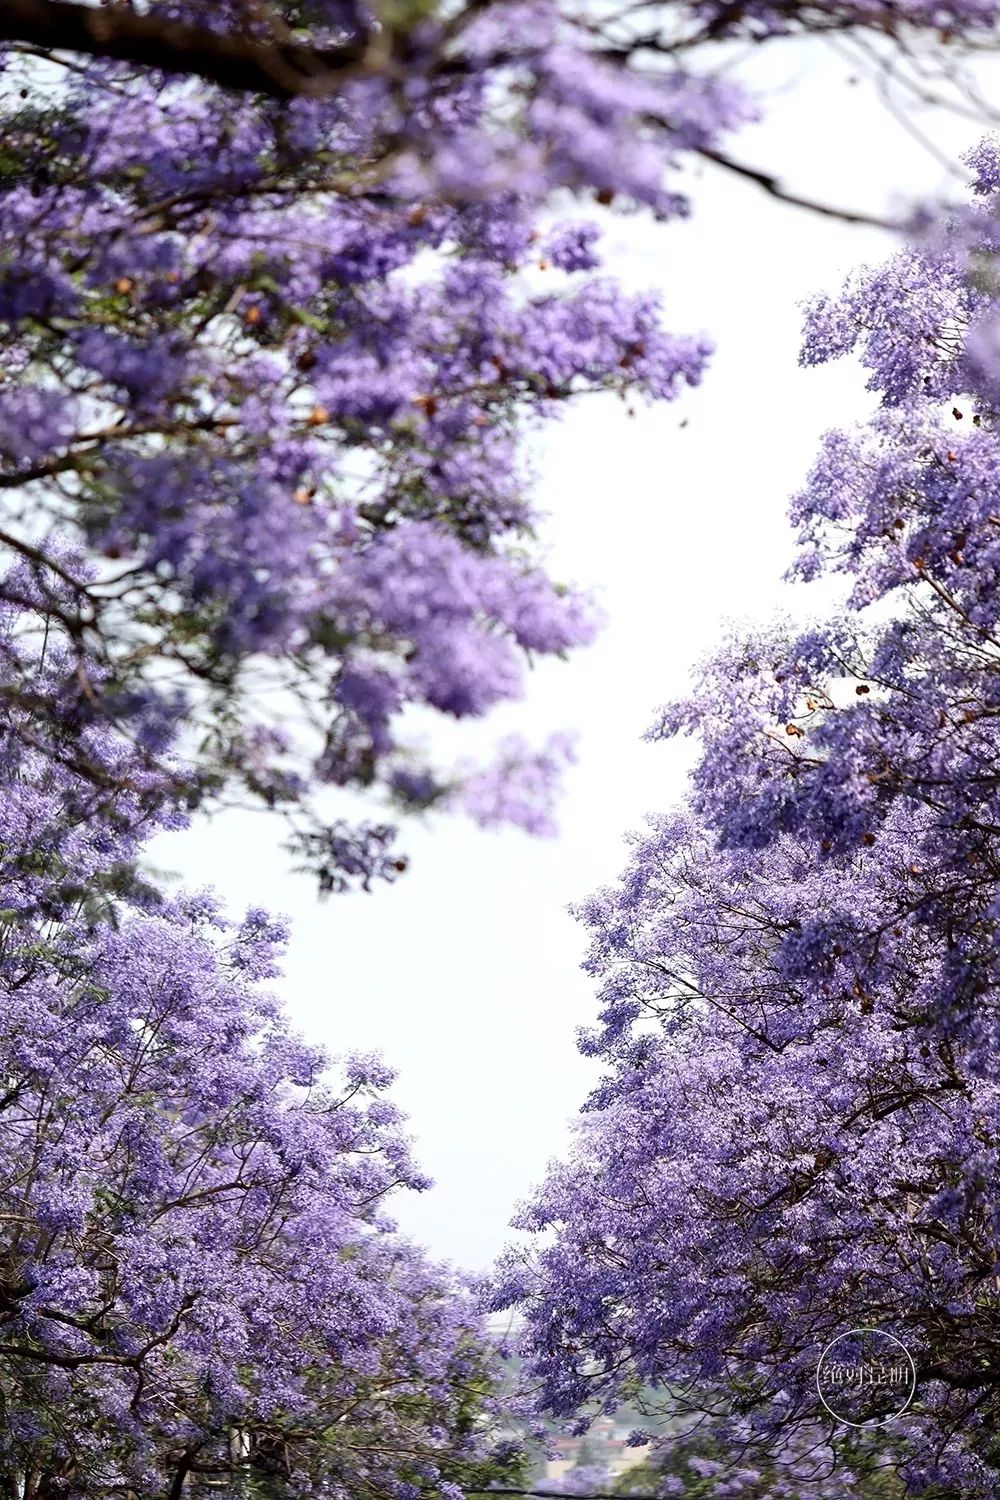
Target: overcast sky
<point x="465" y="975"/>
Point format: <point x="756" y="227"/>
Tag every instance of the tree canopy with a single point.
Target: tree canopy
<point x="272" y="356"/>
<point x="797" y="1133"/>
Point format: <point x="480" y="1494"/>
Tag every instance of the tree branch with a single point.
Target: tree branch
<point x="233" y="60"/>
<point x="774" y="188"/>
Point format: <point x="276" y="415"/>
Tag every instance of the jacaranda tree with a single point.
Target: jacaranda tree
<point x="799" y="1127"/>
<point x="200" y="1288"/>
<point x="282" y="290"/>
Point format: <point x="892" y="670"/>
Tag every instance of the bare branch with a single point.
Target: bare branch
<point x="775" y="189"/>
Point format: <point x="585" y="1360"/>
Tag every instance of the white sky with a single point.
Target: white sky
<point x="465" y="973"/>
